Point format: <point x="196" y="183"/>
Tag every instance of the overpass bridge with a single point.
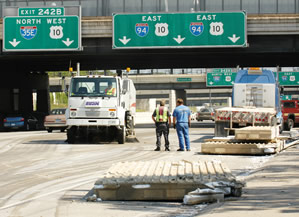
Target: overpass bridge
<point x="273" y="41"/>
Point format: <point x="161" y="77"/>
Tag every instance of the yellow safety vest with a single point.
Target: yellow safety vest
<point x="161" y="118"/>
<point x="111" y="91"/>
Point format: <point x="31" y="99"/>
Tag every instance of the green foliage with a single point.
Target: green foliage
<point x="58" y="100"/>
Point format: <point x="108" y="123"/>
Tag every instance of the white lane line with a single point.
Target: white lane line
<point x="49" y="193"/>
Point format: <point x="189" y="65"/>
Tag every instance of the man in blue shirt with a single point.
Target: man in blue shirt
<point x="182" y="122"/>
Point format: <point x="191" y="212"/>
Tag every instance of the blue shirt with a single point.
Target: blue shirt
<point x="182" y="113"/>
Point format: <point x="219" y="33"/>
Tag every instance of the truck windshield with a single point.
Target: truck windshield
<point x="93" y="87"/>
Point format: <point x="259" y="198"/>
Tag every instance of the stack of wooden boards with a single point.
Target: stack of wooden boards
<point x="164" y="180"/>
<point x="256" y="140"/>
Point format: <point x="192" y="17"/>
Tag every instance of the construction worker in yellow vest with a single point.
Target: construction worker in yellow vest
<point x="162" y="119"/>
<point x="110" y="91"/>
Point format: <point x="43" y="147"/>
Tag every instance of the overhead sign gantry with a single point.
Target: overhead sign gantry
<point x="179" y="30"/>
<point x="41" y="29"/>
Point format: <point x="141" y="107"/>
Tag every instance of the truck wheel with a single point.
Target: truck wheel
<point x="71" y="136"/>
<point x="121" y="137"/>
<point x="49" y="130"/>
<point x="290" y="123"/>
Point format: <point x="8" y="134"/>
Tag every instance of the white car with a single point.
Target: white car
<point x="193" y="116"/>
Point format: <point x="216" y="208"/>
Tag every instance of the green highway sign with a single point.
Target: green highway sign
<point x="179" y="30"/>
<point x="55" y="11"/>
<point x="184" y="79"/>
<point x="38" y="33"/>
<point x="288" y="78"/>
<point x="286" y="97"/>
<point x="220" y="78"/>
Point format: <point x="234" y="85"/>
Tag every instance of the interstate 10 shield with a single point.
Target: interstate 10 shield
<point x="28" y="32"/>
<point x="196" y="28"/>
<point x="141" y="29"/>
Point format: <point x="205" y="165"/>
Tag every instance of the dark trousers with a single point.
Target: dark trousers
<point x="162" y="128"/>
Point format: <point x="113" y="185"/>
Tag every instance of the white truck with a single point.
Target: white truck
<point x="101" y="106"/>
<point x="251" y="126"/>
<point x="256" y="102"/>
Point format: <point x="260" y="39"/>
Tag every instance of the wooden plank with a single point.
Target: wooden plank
<point x="211" y="170"/>
<point x="142" y="173"/>
<point x="218" y="170"/>
<point x="204" y="175"/>
<point x="188" y="171"/>
<point x="158" y="172"/>
<point x="166" y="172"/>
<point x="173" y="172"/>
<point x="181" y="176"/>
<point x="150" y="172"/>
<point x="196" y="171"/>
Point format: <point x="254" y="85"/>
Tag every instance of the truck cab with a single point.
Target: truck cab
<point x="290" y="112"/>
<point x="104" y="106"/>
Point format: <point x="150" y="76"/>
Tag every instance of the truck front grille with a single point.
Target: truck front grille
<point x="96" y="114"/>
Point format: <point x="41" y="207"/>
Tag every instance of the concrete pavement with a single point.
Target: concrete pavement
<point x="272" y="190"/>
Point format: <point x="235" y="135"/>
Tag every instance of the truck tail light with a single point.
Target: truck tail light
<point x="22" y="119"/>
<point x="5" y="120"/>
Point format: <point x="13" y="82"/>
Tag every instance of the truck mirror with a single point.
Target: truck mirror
<point x="126" y="85"/>
<point x="66" y="90"/>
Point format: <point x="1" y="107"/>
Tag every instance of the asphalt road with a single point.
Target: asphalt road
<point x="42" y="175"/>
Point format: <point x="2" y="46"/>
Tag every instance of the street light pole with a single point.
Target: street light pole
<point x="166" y="5"/>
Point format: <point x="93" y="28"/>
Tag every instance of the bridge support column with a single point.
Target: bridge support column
<point x="23" y="100"/>
<point x="181" y="94"/>
<point x="147" y="105"/>
<point x="172" y="100"/>
<point x="43" y="103"/>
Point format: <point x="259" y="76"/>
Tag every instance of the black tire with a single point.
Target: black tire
<point x="71" y="135"/>
<point x="290" y="123"/>
<point x="50" y="130"/>
<point x="121" y="135"/>
<point x="62" y="130"/>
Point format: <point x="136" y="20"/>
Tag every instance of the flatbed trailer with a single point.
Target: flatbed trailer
<point x="248" y="141"/>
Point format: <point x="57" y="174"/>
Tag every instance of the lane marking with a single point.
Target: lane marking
<point x="46" y="194"/>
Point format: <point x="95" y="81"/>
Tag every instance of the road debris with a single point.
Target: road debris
<point x="164" y="180"/>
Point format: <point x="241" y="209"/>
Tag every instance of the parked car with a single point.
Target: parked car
<point x="19" y="121"/>
<point x="193" y="116"/>
<point x="290" y="112"/>
<point x="205" y="113"/>
<point x="56" y="120"/>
